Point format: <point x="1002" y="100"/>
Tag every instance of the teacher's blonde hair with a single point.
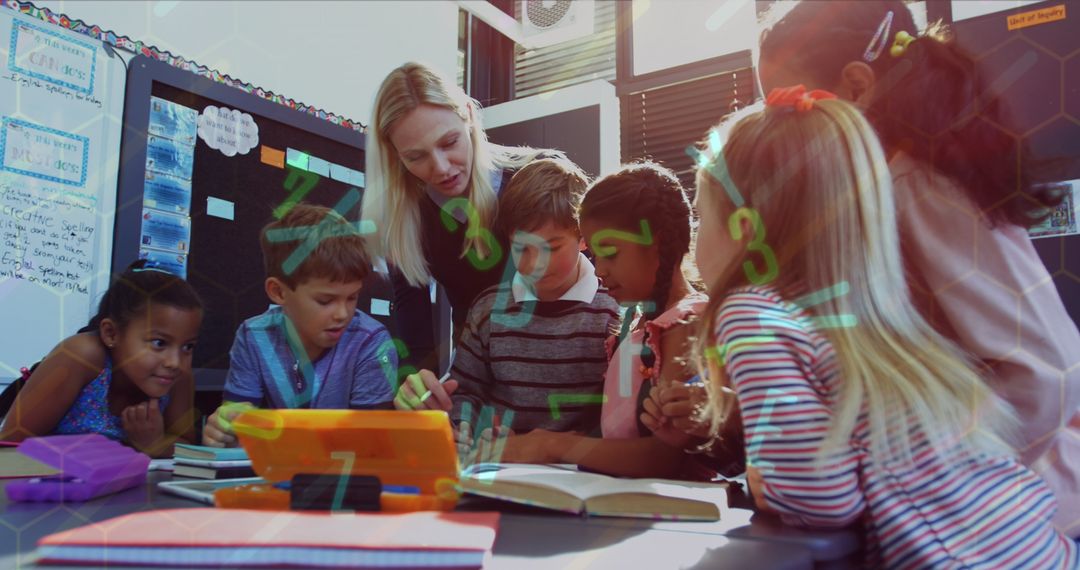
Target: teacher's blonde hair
<point x="392" y="194"/>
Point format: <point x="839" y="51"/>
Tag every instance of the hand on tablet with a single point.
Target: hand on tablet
<point x="218" y="430"/>
<point x="422" y="391"/>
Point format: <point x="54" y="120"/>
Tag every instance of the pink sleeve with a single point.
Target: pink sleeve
<point x="687" y="309"/>
<point x="989" y="291"/>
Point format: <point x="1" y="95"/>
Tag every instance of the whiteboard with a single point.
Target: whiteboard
<point x="61" y="103"/>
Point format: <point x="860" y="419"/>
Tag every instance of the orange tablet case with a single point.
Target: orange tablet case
<point x="414" y="449"/>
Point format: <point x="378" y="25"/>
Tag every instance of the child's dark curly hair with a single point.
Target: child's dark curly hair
<point x="645" y="191"/>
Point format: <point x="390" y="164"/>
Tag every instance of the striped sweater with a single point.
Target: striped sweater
<point x="980" y="512"/>
<point x="544" y="360"/>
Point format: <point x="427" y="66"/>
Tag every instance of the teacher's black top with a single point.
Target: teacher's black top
<point x="461" y="279"/>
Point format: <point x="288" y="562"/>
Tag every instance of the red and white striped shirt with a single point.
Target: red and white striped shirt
<point x="982" y="511"/>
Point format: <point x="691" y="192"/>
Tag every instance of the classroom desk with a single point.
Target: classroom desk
<point x="528" y="538"/>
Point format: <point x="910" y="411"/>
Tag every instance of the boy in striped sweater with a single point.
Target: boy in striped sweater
<point x="533" y="345"/>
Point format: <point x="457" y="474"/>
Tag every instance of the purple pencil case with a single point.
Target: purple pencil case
<point x="91" y="465"/>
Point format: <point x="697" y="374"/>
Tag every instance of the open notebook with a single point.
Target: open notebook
<point x="215" y="538"/>
<point x="567" y="489"/>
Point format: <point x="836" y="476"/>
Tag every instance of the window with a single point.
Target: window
<point x="463" y="50"/>
<point x="681" y="72"/>
<point x="659" y="123"/>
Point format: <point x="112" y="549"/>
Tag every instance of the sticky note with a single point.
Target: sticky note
<point x="358" y="179"/>
<point x="219" y="208"/>
<point x="1035" y="17"/>
<point x="341" y="173"/>
<point x="296" y="159"/>
<point x="318" y="166"/>
<point x="272" y="156"/>
<point x="380" y="307"/>
<point x="379" y="265"/>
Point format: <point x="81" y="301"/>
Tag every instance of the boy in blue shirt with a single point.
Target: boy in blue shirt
<point x="313" y="348"/>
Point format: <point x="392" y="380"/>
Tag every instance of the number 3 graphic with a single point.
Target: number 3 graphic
<point x="474" y="229"/>
<point x="756" y="244"/>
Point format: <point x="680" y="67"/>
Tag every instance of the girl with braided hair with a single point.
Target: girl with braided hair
<point x="637" y="223"/>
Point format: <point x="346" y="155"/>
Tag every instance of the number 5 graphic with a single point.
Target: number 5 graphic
<point x="756" y="244"/>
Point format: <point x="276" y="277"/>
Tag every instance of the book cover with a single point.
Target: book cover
<point x="190" y="451"/>
<point x="213" y="473"/>
<point x="564" y="488"/>
<point x="236" y="537"/>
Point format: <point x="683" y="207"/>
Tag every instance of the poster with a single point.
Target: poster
<point x="44" y="153"/>
<point x="1063" y="219"/>
<point x="173" y="121"/>
<point x="45" y="54"/>
<point x="167" y="193"/>
<point x="166" y="232"/>
<point x="169" y="157"/>
<point x="175" y="263"/>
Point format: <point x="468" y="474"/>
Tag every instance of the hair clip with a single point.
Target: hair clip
<point x="796" y="97"/>
<point x="903" y="39"/>
<point x="881" y="37"/>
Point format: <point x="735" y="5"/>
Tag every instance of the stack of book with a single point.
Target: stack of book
<point x="203" y="462"/>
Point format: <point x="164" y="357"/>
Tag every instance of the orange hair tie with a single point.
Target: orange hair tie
<point x="796" y="97"/>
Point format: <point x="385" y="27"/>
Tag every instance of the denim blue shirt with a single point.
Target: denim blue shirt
<point x="356" y="373"/>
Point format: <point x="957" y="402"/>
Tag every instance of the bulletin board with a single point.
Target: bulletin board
<point x="61" y="102"/>
<point x="1029" y="52"/>
<point x="204" y="168"/>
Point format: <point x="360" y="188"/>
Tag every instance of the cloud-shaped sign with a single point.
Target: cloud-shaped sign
<point x="228" y="130"/>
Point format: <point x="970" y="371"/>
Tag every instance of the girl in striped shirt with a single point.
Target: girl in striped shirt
<point x="854" y="409"/>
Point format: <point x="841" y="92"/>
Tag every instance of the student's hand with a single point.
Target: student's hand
<point x="756" y="483"/>
<point x="485" y="447"/>
<point x="218" y="433"/>
<point x="669" y="412"/>
<point x="144" y="425"/>
<point x="537" y="446"/>
<point x="414" y="387"/>
<point x="680" y="405"/>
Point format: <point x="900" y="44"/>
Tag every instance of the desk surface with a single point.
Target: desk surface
<point x="528" y="538"/>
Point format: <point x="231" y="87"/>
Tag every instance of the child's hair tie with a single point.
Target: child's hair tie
<point x="796" y="97"/>
<point x="900" y="43"/>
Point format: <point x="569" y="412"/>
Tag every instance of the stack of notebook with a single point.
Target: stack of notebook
<point x="203" y="462"/>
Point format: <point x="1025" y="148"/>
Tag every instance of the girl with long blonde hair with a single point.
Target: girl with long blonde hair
<point x="853" y="407"/>
<point x="966" y="192"/>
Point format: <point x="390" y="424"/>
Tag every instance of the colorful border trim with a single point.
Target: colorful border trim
<point x="77" y="138"/>
<point x="137" y="47"/>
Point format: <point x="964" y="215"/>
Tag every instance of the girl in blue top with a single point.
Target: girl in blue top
<point x="126" y="375"/>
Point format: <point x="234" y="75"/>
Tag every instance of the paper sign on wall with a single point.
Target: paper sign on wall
<point x="228" y="130"/>
<point x="47" y="55"/>
<point x="1064" y="220"/>
<point x="43" y="153"/>
<point x="1035" y="17"/>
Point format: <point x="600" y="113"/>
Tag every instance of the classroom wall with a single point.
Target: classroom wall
<point x="328" y="54"/>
